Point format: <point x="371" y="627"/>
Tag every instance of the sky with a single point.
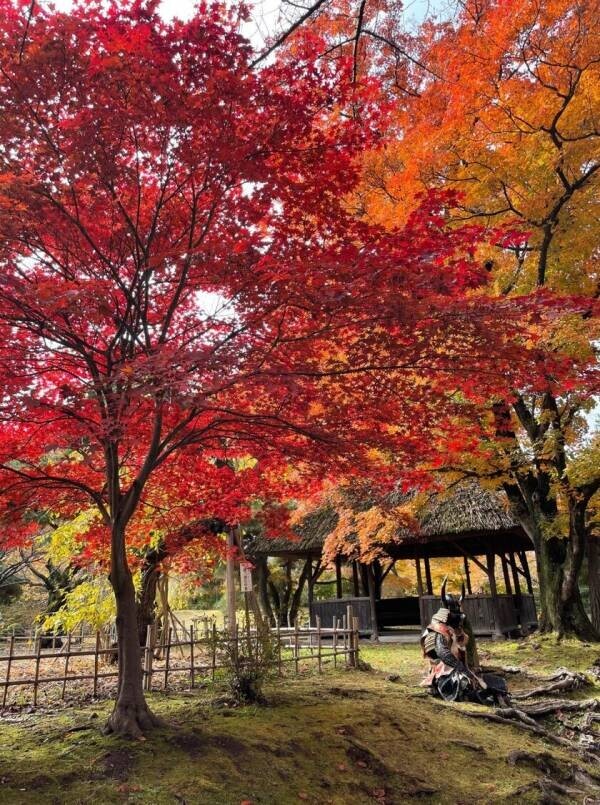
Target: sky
<point x="267" y="18"/>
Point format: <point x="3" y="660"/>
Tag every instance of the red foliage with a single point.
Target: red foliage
<point x="149" y="174"/>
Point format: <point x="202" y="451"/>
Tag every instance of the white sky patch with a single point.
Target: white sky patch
<point x="269" y="17"/>
<point x="215" y="306"/>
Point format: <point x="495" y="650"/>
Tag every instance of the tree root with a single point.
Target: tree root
<point x="540" y="709"/>
<point x="563" y="681"/>
<point x="132" y="720"/>
<point x="514" y="717"/>
<point x="560" y="777"/>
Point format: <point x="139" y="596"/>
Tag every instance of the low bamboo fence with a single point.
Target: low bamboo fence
<point x="51" y="667"/>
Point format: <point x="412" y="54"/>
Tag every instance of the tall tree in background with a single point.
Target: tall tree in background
<point x="508" y="115"/>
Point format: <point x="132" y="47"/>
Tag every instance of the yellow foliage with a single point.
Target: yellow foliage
<point x="91" y="602"/>
<point x="65" y="541"/>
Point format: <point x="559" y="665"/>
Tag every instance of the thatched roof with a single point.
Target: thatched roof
<point x="311" y="534"/>
<point x="466" y="519"/>
<point x="467" y="507"/>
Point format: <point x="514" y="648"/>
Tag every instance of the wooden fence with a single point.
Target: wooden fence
<point x="182" y="657"/>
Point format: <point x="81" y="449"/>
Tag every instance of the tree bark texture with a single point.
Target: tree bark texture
<point x="131" y="714"/>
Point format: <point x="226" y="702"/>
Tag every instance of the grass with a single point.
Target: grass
<point x="339" y="738"/>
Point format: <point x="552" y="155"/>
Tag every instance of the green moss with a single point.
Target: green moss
<point x="336" y="738"/>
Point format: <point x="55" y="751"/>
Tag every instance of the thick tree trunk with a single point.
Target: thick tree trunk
<point x="562" y="610"/>
<point x="131" y="715"/>
<point x="558" y="562"/>
<point x="593" y="556"/>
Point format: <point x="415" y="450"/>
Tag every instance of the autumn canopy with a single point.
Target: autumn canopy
<point x="196" y="313"/>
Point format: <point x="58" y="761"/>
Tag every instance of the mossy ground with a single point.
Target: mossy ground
<point x="344" y="737"/>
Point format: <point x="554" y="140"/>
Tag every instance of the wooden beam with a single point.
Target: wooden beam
<point x="470" y="556"/>
<point x="494" y="591"/>
<point x="468" y="575"/>
<point x="364" y="580"/>
<point x="355" y="586"/>
<point x="419" y="577"/>
<point x="310" y="591"/>
<point x="373" y="603"/>
<point x="515" y="573"/>
<point x="525" y="563"/>
<point x="338" y="577"/>
<point x="428" y="576"/>
<point x="507" y="584"/>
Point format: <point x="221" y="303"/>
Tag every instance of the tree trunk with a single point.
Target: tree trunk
<point x="593" y="556"/>
<point x="473" y="660"/>
<point x="146" y="603"/>
<point x="263" y="592"/>
<point x="558" y="562"/>
<point x="562" y="609"/>
<point x="131" y="715"/>
<point x="297" y="597"/>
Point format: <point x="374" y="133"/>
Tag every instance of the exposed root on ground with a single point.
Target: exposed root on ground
<point x="588" y="745"/>
<point x="567" y="779"/>
<point x="561" y="681"/>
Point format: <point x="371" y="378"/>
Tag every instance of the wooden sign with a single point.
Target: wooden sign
<point x="245" y="579"/>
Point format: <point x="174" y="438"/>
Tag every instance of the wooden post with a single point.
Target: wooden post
<point x="355" y="640"/>
<point x="296" y="645"/>
<point x="230" y="583"/>
<point x="507" y="584"/>
<point x="428" y="576"/>
<point x="355" y="586"/>
<point x="66" y="672"/>
<point x="419" y="577"/>
<point x="373" y="603"/>
<point x="38" y="652"/>
<point x="334" y="641"/>
<point x="491" y="570"/>
<point x="525" y="563"/>
<point x="319" y="644"/>
<point x="279" y="669"/>
<point x="247" y="629"/>
<point x="11" y="647"/>
<point x="350" y="634"/>
<point x="168" y="656"/>
<point x="468" y="576"/>
<point x="192" y="655"/>
<point x="338" y="577"/>
<point x="310" y="592"/>
<point x="148" y="651"/>
<point x="515" y="575"/>
<point x="96" y="650"/>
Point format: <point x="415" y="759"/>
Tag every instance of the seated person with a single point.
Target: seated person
<point x="444" y="643"/>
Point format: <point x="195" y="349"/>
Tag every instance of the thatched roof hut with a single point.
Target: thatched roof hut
<point x="468" y="520"/>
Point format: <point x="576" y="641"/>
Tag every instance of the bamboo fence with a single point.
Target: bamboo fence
<point x="181" y="655"/>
